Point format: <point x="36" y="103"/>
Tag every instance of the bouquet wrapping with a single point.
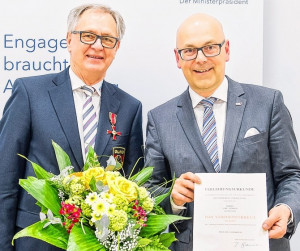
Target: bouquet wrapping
<point x="97" y="208"/>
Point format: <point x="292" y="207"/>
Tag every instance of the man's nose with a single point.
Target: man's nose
<point x="201" y="57"/>
<point x="98" y="44"/>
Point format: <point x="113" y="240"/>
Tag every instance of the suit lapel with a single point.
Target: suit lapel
<point x="235" y="110"/>
<point x="63" y="102"/>
<point x="186" y="117"/>
<point x="109" y="103"/>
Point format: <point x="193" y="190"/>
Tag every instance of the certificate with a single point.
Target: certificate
<point x="229" y="210"/>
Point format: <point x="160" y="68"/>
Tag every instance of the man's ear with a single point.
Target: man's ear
<point x="118" y="45"/>
<point x="68" y="38"/>
<point x="177" y="56"/>
<point x="227" y="50"/>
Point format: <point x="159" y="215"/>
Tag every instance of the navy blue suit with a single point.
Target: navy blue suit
<point x="42" y="109"/>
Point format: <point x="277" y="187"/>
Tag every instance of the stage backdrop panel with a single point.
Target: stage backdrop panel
<point x="32" y="42"/>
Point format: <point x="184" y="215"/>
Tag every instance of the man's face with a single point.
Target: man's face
<point x="204" y="74"/>
<point x="90" y="62"/>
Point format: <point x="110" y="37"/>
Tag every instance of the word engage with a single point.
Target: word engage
<point x="32" y="44"/>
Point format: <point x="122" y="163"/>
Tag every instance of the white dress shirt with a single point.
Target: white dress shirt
<point x="79" y="99"/>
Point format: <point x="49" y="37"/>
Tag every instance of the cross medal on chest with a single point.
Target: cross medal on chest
<point x="113" y="120"/>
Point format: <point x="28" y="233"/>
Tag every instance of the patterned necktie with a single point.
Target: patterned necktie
<point x="89" y="119"/>
<point x="209" y="133"/>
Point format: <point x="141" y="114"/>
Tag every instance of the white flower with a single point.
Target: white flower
<point x="51" y="218"/>
<point x="111" y="161"/>
<point x="92" y="198"/>
<point x="100" y="207"/>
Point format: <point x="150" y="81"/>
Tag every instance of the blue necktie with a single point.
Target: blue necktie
<point x="209" y="133"/>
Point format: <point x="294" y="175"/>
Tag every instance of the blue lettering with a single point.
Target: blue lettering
<point x="8" y="65"/>
<point x="6" y="40"/>
<point x="8" y="86"/>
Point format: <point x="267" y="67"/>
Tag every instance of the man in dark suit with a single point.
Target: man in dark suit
<point x="75" y="108"/>
<point x="219" y="125"/>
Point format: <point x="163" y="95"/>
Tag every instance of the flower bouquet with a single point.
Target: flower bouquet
<point x="96" y="209"/>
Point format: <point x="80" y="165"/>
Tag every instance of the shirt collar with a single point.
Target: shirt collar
<point x="220" y="93"/>
<point x="77" y="83"/>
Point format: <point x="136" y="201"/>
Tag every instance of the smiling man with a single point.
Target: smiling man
<point x="76" y="108"/>
<point x="219" y="125"/>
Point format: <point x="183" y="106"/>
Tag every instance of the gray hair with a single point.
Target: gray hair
<point x="75" y="14"/>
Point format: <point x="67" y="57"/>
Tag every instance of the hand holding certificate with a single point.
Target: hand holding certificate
<point x="229" y="210"/>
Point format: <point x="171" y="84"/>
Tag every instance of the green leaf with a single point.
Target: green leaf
<point x="158" y="199"/>
<point x="43" y="192"/>
<point x="158" y="223"/>
<point x="92" y="184"/>
<point x="142" y="242"/>
<point x="142" y="176"/>
<point x="55" y="235"/>
<point x="167" y="238"/>
<point x="38" y="170"/>
<point x="62" y="157"/>
<point x="91" y="159"/>
<point x="80" y="241"/>
<point x="43" y="208"/>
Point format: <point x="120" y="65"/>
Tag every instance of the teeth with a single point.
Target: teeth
<point x="202" y="70"/>
<point x="95" y="57"/>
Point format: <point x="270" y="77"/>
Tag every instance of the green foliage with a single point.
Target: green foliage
<point x="142" y="176"/>
<point x="83" y="241"/>
<point x="43" y="192"/>
<point x="156" y="243"/>
<point x="158" y="223"/>
<point x="92" y="184"/>
<point x="38" y="170"/>
<point x="62" y="157"/>
<point x="53" y="234"/>
<point x="167" y="238"/>
<point x="158" y="199"/>
<point x="91" y="159"/>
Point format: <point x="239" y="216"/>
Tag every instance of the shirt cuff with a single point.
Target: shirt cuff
<point x="291" y="219"/>
<point x="176" y="209"/>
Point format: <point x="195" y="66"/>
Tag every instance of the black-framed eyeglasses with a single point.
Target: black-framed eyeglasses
<point x="90" y="38"/>
<point x="210" y="50"/>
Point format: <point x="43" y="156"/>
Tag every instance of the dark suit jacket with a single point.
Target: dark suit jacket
<point x="174" y="146"/>
<point x="42" y="109"/>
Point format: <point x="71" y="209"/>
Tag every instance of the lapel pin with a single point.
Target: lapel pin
<point x="238" y="103"/>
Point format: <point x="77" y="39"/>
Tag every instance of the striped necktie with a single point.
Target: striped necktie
<point x="89" y="119"/>
<point x="209" y="132"/>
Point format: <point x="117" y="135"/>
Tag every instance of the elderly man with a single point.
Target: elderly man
<point x="76" y="108"/>
<point x="209" y="128"/>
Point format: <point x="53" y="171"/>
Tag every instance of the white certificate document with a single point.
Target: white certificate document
<point x="229" y="210"/>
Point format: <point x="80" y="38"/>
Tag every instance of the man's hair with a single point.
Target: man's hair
<point x="75" y="14"/>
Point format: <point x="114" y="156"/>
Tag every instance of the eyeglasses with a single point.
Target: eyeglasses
<point x="211" y="50"/>
<point x="91" y="38"/>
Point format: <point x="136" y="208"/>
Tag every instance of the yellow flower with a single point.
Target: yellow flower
<point x="143" y="193"/>
<point x="123" y="187"/>
<point x="97" y="172"/>
<point x="118" y="220"/>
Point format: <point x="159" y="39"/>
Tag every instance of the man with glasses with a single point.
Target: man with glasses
<point x="76" y="108"/>
<point x="219" y="125"/>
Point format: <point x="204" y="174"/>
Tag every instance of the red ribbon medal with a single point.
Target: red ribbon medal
<point x="113" y="121"/>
